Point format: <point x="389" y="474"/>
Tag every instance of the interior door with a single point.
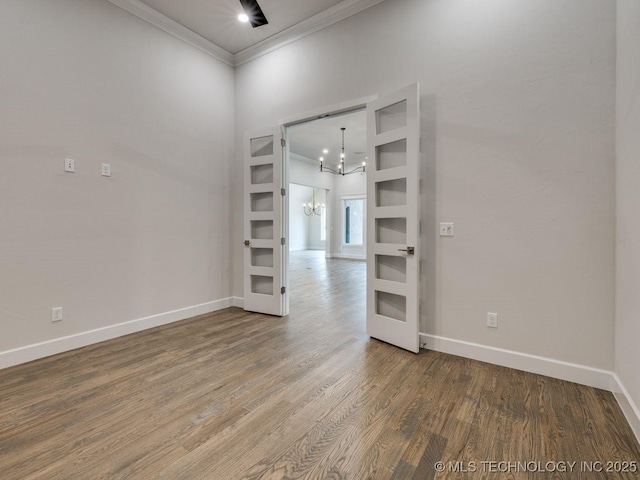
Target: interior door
<point x="263" y="222"/>
<point x="393" y="243"/>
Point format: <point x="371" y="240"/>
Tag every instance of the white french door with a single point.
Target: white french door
<point x="393" y="201"/>
<point x="263" y="222"/>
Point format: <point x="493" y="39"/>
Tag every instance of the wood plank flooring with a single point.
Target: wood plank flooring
<point x="234" y="395"/>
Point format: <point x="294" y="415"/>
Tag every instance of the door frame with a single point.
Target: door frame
<point x="337" y="109"/>
<point x="376" y="327"/>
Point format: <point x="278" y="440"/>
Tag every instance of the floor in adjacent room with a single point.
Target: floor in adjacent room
<point x="240" y="395"/>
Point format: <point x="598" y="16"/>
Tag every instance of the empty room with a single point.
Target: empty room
<point x="354" y="239"/>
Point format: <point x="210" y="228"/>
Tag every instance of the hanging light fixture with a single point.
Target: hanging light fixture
<point x="313" y="207"/>
<point x="342" y="168"/>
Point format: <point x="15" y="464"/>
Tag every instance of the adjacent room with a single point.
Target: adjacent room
<point x="332" y="239"/>
<point x="327" y="223"/>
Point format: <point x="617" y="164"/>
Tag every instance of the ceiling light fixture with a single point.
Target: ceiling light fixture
<point x="254" y="13"/>
<point x="243" y="17"/>
<point x="313" y="207"/>
<point x="342" y="168"/>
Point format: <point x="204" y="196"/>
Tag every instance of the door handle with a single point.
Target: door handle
<point x="247" y="243"/>
<point x="409" y="250"/>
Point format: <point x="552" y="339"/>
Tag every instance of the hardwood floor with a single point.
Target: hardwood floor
<point x="235" y="395"/>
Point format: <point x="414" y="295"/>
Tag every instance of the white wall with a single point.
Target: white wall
<point x="315" y="222"/>
<point x="627" y="327"/>
<point x="89" y="81"/>
<point x="298" y="221"/>
<point x="306" y="174"/>
<point x="518" y="143"/>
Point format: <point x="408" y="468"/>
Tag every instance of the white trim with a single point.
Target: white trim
<point x="346" y="256"/>
<point x="593" y="377"/>
<point x="354" y="196"/>
<point x="302" y="158"/>
<point x="307" y="27"/>
<point x="59" y="345"/>
<point x="323" y="112"/>
<point x="572" y="372"/>
<point x="237" y="302"/>
<point x="627" y="405"/>
<point x="148" y="14"/>
<point x="292" y="34"/>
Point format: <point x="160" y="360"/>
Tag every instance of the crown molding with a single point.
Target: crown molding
<point x="307" y="27"/>
<point x="292" y="34"/>
<point x="139" y="9"/>
<point x="302" y="158"/>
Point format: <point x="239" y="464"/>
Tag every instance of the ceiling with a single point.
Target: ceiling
<point x="216" y="20"/>
<point x="307" y="140"/>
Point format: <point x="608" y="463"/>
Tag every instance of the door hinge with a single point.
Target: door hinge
<point x="283" y="142"/>
<point x="282" y="241"/>
<point x="283" y="192"/>
<point x="282" y="290"/>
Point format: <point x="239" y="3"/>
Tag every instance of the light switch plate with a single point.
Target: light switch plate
<point x="56" y="314"/>
<point x="106" y="170"/>
<point x="446" y="229"/>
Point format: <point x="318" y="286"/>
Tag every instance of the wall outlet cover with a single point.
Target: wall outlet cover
<point x="69" y="165"/>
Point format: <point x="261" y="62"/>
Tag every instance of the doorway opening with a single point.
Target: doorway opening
<point x="322" y="204"/>
<point x="307" y="218"/>
<point x="393" y="212"/>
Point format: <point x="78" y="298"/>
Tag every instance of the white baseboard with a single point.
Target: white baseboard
<point x="347" y="256"/>
<point x="627" y="405"/>
<point x="572" y="372"/>
<point x="237" y="302"/>
<point x="52" y="347"/>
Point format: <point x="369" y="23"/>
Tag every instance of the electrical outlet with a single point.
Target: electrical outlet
<point x="56" y="314"/>
<point x="446" y="229"/>
<point x="69" y="165"/>
<point x="492" y="320"/>
<point x="106" y="170"/>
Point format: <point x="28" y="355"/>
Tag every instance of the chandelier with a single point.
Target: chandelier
<point x="313" y="207"/>
<point x="342" y="169"/>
